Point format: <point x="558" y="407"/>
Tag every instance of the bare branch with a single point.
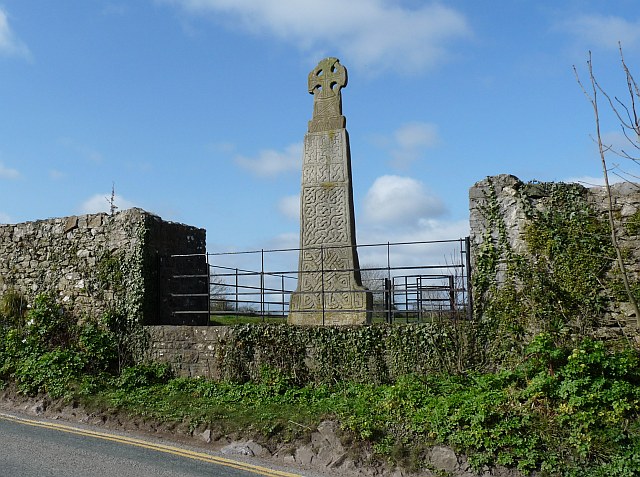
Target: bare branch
<point x="631" y="120"/>
<point x="584" y="90"/>
<point x="613" y="107"/>
<point x="624" y="175"/>
<point x="602" y="149"/>
<point x="631" y="85"/>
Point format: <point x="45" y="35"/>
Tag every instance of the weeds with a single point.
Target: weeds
<point x="568" y="410"/>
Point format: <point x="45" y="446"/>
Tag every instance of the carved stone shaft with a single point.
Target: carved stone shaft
<point x="330" y="290"/>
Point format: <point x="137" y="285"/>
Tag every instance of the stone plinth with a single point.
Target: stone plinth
<point x="329" y="290"/>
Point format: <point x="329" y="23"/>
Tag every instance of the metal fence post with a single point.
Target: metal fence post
<point x="237" y="297"/>
<point x="262" y="284"/>
<point x="387" y="300"/>
<point x="467" y="246"/>
<point x="208" y="290"/>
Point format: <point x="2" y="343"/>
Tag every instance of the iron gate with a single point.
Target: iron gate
<point x="257" y="285"/>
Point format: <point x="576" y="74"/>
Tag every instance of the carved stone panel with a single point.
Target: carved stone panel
<point x="329" y="288"/>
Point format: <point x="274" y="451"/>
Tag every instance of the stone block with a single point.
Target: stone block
<point x="443" y="458"/>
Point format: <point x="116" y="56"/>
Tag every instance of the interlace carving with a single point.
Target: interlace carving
<point x="329" y="290"/>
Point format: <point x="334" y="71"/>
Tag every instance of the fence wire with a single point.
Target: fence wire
<point x="409" y="281"/>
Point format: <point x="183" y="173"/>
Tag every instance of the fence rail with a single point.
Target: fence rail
<point x="409" y="282"/>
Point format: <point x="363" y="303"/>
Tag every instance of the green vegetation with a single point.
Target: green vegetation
<point x="571" y="410"/>
<point x="50" y="353"/>
<point x="561" y="283"/>
<point x="243" y="319"/>
<point x="523" y="387"/>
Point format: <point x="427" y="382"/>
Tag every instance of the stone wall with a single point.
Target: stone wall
<point x="310" y="354"/>
<point x="101" y="262"/>
<point x="193" y="351"/>
<point x="513" y="197"/>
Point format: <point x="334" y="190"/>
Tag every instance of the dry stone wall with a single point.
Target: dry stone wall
<point x="100" y="262"/>
<point x="506" y="197"/>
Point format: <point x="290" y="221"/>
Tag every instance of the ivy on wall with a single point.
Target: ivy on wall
<point x="122" y="274"/>
<point x="560" y="284"/>
<point x="571" y="255"/>
<point x="369" y="354"/>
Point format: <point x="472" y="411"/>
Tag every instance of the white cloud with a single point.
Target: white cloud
<point x="8" y="173"/>
<point x="4" y="218"/>
<point x="224" y="147"/>
<point x="400" y="201"/>
<point x="619" y="144"/>
<point x="378" y="33"/>
<point x="410" y="141"/>
<point x="10" y="45"/>
<point x="272" y="163"/>
<point x="286" y="241"/>
<point x="101" y="203"/>
<point x="592" y="181"/>
<point x="86" y="152"/>
<point x="437" y="244"/>
<point x="289" y="206"/>
<point x="605" y="30"/>
<point x="56" y="175"/>
<point x="620" y="168"/>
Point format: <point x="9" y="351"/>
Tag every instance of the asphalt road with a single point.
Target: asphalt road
<point x="30" y="448"/>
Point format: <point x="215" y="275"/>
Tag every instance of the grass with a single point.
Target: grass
<point x="570" y="410"/>
<point x="566" y="412"/>
<point x="242" y="319"/>
<point x="231" y="319"/>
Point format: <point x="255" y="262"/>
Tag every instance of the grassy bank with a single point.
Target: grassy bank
<point x="572" y="412"/>
<point x="569" y="410"/>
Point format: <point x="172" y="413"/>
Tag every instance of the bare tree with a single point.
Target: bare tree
<point x="113" y="208"/>
<point x="628" y="118"/>
<point x="373" y="278"/>
<point x="219" y="295"/>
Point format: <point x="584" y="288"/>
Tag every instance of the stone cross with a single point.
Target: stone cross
<point x="325" y="82"/>
<point x="329" y="290"/>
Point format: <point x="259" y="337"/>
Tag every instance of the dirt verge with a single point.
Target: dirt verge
<point x="324" y="451"/>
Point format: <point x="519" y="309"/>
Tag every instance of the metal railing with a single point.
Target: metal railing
<point x="407" y="281"/>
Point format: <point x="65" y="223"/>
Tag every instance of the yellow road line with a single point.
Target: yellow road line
<point x="153" y="446"/>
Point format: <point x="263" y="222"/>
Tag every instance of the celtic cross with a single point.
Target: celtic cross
<point x="325" y="82"/>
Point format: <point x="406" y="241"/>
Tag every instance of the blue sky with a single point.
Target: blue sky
<point x="196" y="109"/>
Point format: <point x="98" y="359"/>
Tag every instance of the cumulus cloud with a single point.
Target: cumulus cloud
<point x="409" y="142"/>
<point x="8" y="173"/>
<point x="82" y="150"/>
<point x="55" y="174"/>
<point x="431" y="242"/>
<point x="378" y="33"/>
<point x="593" y="181"/>
<point x="102" y="203"/>
<point x="270" y="163"/>
<point x="4" y="218"/>
<point x="604" y="30"/>
<point x="10" y="45"/>
<point x="289" y="206"/>
<point x="400" y="201"/>
<point x="285" y="241"/>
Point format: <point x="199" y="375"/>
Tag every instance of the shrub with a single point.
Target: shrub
<point x="144" y="375"/>
<point x="51" y="353"/>
<point x="13" y="307"/>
